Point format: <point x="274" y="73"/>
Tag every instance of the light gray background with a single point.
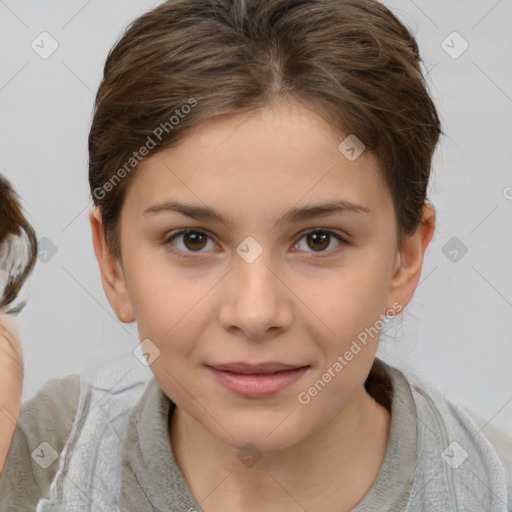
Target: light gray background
<point x="457" y="330"/>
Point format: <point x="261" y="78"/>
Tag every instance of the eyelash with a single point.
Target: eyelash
<point x="183" y="254"/>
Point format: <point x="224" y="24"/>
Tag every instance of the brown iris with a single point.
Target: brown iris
<point x="318" y="237"/>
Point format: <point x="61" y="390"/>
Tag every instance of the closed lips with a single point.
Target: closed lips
<point x="258" y="369"/>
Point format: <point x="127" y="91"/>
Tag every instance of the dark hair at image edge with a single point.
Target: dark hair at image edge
<point x="15" y="258"/>
<point x="351" y="61"/>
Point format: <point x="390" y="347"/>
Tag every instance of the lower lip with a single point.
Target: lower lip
<point x="258" y="386"/>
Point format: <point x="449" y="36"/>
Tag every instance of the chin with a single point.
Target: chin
<point x="272" y="434"/>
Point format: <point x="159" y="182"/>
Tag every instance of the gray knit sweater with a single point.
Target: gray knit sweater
<point x="101" y="443"/>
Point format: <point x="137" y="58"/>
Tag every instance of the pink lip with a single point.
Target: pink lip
<point x="257" y="381"/>
<point x="247" y="368"/>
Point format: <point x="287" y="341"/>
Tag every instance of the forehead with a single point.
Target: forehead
<point x="258" y="162"/>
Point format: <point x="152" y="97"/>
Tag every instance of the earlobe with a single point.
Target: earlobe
<point x="111" y="270"/>
<point x="409" y="260"/>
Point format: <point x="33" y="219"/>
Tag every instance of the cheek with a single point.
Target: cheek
<point x="349" y="301"/>
<point x="351" y="308"/>
<point x="158" y="298"/>
<point x="171" y="310"/>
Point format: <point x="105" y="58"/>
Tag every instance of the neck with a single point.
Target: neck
<point x="336" y="465"/>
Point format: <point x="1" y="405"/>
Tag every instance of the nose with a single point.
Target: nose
<point x="255" y="299"/>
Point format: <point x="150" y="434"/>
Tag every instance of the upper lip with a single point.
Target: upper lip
<point x="255" y="368"/>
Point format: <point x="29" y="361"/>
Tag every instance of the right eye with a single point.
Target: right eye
<point x="191" y="241"/>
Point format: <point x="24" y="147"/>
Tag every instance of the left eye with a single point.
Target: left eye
<point x="320" y="239"/>
<point x="193" y="241"/>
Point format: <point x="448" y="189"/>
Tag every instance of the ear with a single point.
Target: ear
<point x="409" y="259"/>
<point x="112" y="274"/>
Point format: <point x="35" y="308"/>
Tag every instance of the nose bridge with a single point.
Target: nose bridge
<point x="255" y="281"/>
<point x="257" y="298"/>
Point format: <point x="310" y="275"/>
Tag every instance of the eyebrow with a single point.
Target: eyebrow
<point x="293" y="215"/>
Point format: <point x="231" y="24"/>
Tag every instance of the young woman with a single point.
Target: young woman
<point x="259" y="173"/>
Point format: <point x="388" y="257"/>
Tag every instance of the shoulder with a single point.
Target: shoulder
<point x="456" y="464"/>
<point x="57" y="399"/>
<point x="44" y="424"/>
<point x="63" y="422"/>
<point x="500" y="441"/>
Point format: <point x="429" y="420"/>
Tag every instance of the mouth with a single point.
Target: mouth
<point x="258" y="380"/>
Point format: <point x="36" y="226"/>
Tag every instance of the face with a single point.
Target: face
<point x="266" y="278"/>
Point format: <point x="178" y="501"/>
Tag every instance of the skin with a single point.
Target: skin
<point x="11" y="383"/>
<point x="300" y="302"/>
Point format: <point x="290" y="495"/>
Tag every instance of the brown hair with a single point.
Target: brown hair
<point x="352" y="61"/>
<point x="18" y="246"/>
